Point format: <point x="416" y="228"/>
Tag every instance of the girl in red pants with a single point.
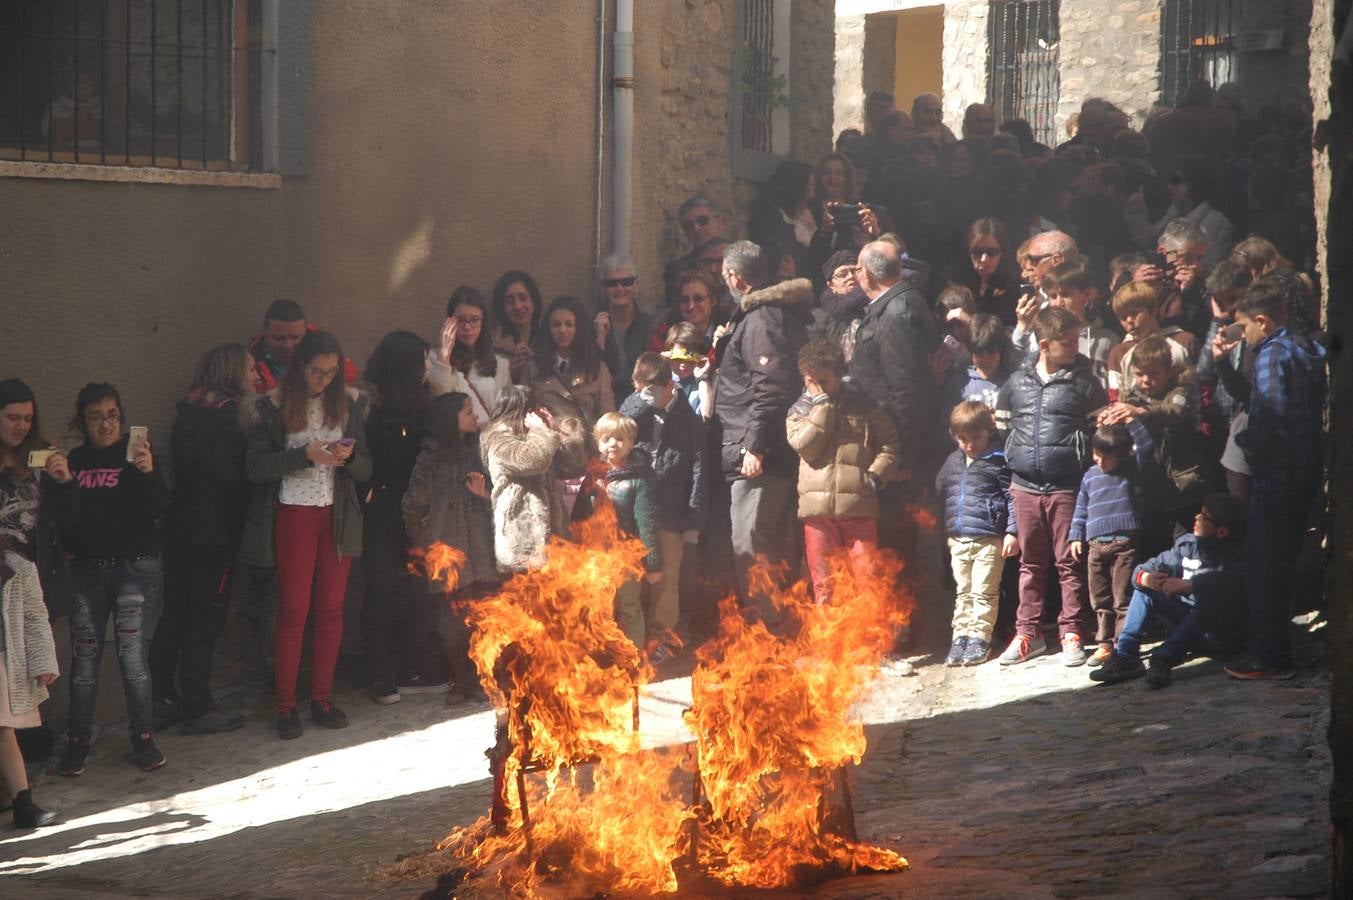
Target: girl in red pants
<point x="306" y="455"/>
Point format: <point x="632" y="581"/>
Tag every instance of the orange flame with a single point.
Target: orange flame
<point x="439" y="562"/>
<point x="770" y="715"/>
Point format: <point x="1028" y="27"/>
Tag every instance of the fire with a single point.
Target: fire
<point x="439" y="562"/>
<point x="770" y="715"/>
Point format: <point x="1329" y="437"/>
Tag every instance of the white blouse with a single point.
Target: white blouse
<point x="313" y="485"/>
<point x="482" y="390"/>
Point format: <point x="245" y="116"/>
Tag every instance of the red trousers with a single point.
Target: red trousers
<point x="822" y="537"/>
<point x="1044" y="523"/>
<point x="308" y="565"/>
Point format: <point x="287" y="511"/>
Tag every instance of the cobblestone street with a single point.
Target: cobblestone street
<point x="993" y="782"/>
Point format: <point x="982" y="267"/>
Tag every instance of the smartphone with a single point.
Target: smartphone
<point x="952" y="344"/>
<point x="137" y="434"/>
<point x="847" y="215"/>
<point x="1233" y="332"/>
<point x="37" y="459"/>
<point x="1157" y="259"/>
<point x="345" y="442"/>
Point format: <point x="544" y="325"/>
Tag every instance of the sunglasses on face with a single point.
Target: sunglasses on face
<point x="695" y="222"/>
<point x="1036" y="258"/>
<point x="619" y="282"/>
<point x="984" y="252"/>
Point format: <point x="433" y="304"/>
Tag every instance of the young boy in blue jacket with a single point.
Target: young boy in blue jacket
<point x="1195" y="587"/>
<point x="979" y="518"/>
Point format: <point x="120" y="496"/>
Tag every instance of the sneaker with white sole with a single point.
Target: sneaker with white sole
<point x="1073" y="652"/>
<point x="1022" y="649"/>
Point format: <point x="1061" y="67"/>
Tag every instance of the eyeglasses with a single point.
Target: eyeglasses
<point x="694" y="222"/>
<point x="843" y="273"/>
<point x="619" y="282"/>
<point x="694" y="299"/>
<point x="984" y="252"/>
<point x="314" y="372"/>
<point x="1036" y="258"/>
<point x="470" y="321"/>
<point x="111" y="419"/>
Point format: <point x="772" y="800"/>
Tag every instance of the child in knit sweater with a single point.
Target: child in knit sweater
<point x="1107" y="518"/>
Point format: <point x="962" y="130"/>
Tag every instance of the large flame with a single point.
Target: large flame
<point x="770" y="714"/>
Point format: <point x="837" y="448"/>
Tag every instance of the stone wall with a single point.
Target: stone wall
<point x="684" y="67"/>
<point x="848" y="96"/>
<point x="965" y="58"/>
<point x="1109" y="49"/>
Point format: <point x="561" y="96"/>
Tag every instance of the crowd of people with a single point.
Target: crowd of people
<point x="1098" y="364"/>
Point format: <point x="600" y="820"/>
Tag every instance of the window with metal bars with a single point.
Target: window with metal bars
<point x="1022" y="51"/>
<point x="761" y="85"/>
<point x="1197" y="42"/>
<point x="166" y="83"/>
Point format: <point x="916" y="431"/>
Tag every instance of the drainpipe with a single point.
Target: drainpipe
<point x="622" y="96"/>
<point x="599" y="198"/>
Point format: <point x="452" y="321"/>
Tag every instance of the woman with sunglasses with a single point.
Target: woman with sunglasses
<point x="622" y="328"/>
<point x="990" y="270"/>
<point x="306" y="454"/>
<point x="697" y="303"/>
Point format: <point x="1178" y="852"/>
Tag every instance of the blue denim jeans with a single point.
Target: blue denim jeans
<point x="127" y="592"/>
<point x="1213" y="623"/>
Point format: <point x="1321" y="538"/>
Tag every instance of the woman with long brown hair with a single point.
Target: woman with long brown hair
<point x="989" y="269"/>
<point x="306" y="455"/>
<point x="467" y="361"/>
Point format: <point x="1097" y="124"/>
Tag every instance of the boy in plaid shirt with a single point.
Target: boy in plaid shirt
<point x="1284" y="448"/>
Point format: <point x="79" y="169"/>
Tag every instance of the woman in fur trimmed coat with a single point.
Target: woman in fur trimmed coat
<point x="520" y="448"/>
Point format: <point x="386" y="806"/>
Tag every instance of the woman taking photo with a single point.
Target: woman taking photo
<point x="516" y="319"/>
<point x="115" y="561"/>
<point x="990" y="271"/>
<point x="466" y="360"/>
<point x="783" y="210"/>
<point x="568" y="370"/>
<point x="35" y="502"/>
<point x="396" y="618"/>
<point x="206" y="515"/>
<point x="305" y="456"/>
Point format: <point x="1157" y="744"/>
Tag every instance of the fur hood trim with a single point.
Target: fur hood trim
<point x="793" y="292"/>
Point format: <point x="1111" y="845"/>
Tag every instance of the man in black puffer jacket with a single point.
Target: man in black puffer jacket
<point x="757" y="382"/>
<point x="1046" y="410"/>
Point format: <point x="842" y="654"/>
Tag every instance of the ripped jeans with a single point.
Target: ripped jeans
<point x="125" y="591"/>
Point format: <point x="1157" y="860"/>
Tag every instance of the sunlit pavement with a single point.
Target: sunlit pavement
<point x="1003" y="779"/>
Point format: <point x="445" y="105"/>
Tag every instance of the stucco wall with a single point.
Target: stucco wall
<point x="444" y="152"/>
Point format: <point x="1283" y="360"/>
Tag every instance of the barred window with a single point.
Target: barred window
<point x="165" y="83"/>
<point x="761" y="85"/>
<point x="1023" y="81"/>
<point x="1197" y="42"/>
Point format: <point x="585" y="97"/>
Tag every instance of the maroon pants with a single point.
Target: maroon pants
<point x="823" y="537"/>
<point x="307" y="557"/>
<point x="1044" y="523"/>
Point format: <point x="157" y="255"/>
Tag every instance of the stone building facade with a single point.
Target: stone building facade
<point x="414" y="147"/>
<point x="1114" y="49"/>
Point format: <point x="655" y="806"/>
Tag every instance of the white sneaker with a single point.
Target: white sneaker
<point x="1073" y="654"/>
<point x="1022" y="649"/>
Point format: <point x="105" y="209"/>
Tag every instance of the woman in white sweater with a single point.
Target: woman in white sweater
<point x="465" y="361"/>
<point x="27" y="666"/>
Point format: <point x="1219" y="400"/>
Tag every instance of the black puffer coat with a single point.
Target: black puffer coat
<point x="1049" y="425"/>
<point x="758" y="376"/>
<point x="211" y="492"/>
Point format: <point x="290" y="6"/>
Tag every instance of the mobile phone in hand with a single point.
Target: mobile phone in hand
<point x="345" y="442"/>
<point x="137" y="435"/>
<point x="1233" y="332"/>
<point x="37" y="459"/>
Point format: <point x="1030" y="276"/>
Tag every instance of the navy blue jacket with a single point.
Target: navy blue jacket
<point x="976" y="497"/>
<point x="1198" y="561"/>
<point x="677" y="458"/>
<point x="1048" y="425"/>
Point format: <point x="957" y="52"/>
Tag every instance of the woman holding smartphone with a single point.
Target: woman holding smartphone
<point x="115" y="558"/>
<point x="306" y="453"/>
<point x="38" y="495"/>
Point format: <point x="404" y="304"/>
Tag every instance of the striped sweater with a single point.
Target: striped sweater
<point x="1107" y="502"/>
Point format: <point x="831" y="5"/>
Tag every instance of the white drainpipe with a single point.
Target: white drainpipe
<point x="622" y="93"/>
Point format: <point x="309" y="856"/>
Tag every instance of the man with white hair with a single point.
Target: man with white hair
<point x="1047" y="250"/>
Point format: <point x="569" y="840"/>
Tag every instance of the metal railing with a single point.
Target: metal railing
<point x="1022" y="51"/>
<point x="758" y="74"/>
<point x="1197" y="41"/>
<point x="168" y="83"/>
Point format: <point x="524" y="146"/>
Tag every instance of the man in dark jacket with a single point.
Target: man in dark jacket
<point x="757" y="381"/>
<point x="894" y="345"/>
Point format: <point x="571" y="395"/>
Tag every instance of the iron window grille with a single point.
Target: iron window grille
<point x="762" y="90"/>
<point x="1197" y="42"/>
<point x="1023" y="81"/>
<point x="165" y="83"/>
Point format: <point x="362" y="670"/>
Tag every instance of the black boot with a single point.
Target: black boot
<point x="28" y="814"/>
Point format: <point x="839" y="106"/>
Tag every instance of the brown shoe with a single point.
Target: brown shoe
<point x="1102" y="655"/>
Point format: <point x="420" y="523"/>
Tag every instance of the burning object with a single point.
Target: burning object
<point x="760" y="798"/>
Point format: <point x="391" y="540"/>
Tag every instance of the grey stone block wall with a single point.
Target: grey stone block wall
<point x="1109" y="49"/>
